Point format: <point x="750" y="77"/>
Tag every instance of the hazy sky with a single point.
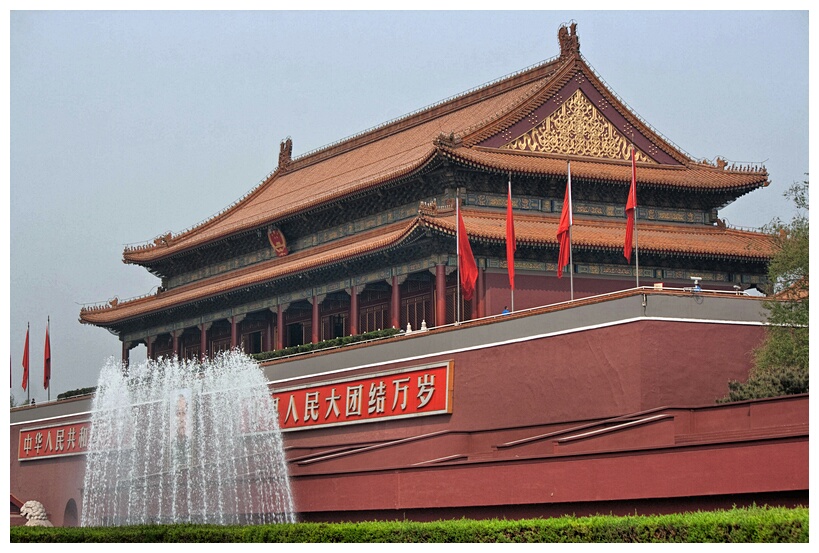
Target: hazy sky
<point x="127" y="125"/>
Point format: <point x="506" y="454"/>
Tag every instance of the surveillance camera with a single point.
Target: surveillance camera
<point x="696" y="278"/>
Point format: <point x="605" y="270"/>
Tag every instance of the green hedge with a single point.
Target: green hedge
<point x="78" y="392"/>
<point x="746" y="525"/>
<point x="334" y="343"/>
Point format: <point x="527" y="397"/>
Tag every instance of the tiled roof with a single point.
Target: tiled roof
<point x="536" y="230"/>
<point x="695" y="176"/>
<point x="400" y="148"/>
<point x="307" y="184"/>
<point x="280" y="267"/>
<point x="589" y="233"/>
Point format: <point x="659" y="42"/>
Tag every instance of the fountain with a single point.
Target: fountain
<point x="177" y="441"/>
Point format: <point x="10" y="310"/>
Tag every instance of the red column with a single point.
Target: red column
<point x="315" y="322"/>
<point x="279" y="327"/>
<point x="126" y="353"/>
<point x="480" y="295"/>
<point x="203" y="341"/>
<point x="353" y="310"/>
<point x="234" y="325"/>
<point x="149" y="345"/>
<point x="395" y="304"/>
<point x="440" y="295"/>
<point x="267" y="337"/>
<point x="176" y="334"/>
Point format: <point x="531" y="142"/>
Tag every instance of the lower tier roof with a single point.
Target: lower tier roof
<point x="482" y="226"/>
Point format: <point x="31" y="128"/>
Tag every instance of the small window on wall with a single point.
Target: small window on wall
<point x="252" y="342"/>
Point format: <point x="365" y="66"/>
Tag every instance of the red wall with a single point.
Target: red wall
<point x="513" y="391"/>
<point x="583" y="375"/>
<point x="53" y="482"/>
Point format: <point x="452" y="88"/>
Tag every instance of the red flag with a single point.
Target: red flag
<point x="467" y="268"/>
<point x="47" y="360"/>
<point x="511" y="244"/>
<point x="564" y="226"/>
<point x="25" y="363"/>
<point x="631" y="206"/>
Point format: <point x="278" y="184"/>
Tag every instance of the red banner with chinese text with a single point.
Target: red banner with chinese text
<point x="416" y="391"/>
<point x="53" y="441"/>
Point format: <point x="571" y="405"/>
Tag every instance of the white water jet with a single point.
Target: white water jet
<point x="177" y="441"/>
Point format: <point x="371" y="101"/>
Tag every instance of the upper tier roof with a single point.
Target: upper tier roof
<point x="526" y="123"/>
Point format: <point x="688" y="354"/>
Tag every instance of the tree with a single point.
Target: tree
<point x="781" y="362"/>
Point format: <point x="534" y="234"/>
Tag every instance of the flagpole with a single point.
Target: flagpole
<point x="458" y="255"/>
<point x="636" y="240"/>
<point x="28" y="375"/>
<point x="507" y="237"/>
<point x="48" y="338"/>
<point x="571" y="224"/>
<point x="636" y="249"/>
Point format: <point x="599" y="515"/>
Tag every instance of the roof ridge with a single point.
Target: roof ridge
<point x="474" y="134"/>
<point x="453" y="102"/>
<point x="247" y="224"/>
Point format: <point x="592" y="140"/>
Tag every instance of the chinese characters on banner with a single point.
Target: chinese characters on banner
<point x="409" y="392"/>
<point x="54" y="441"/>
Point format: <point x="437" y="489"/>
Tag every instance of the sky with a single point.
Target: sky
<point x="125" y="125"/>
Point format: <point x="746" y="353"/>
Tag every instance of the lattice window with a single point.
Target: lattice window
<point x="416" y="309"/>
<point x="191" y="351"/>
<point x="334" y="326"/>
<point x="222" y="344"/>
<point x="374" y="317"/>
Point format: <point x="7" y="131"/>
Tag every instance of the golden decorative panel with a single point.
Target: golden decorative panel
<point x="577" y="128"/>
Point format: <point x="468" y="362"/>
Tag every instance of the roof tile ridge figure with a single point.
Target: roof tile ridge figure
<point x="285" y="153"/>
<point x="566" y="66"/>
<point x="721" y="165"/>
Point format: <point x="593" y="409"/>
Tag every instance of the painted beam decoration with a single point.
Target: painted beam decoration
<point x="54" y="441"/>
<point x="409" y="392"/>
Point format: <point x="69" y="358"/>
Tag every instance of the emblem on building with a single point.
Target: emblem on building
<point x="277" y="240"/>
